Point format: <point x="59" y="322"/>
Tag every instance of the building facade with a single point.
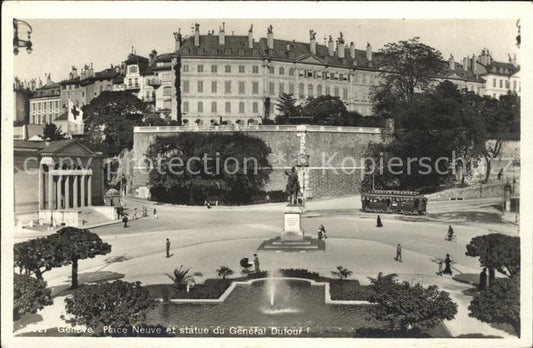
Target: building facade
<point x="45" y="103"/>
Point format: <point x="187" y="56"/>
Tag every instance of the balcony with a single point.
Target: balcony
<point x="154" y="82"/>
<point x="133" y="87"/>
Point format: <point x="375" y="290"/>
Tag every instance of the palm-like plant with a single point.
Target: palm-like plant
<point x="181" y="276"/>
<point x="341" y="272"/>
<point x="224" y="271"/>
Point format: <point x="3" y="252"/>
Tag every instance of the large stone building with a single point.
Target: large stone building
<point x="45" y="103"/>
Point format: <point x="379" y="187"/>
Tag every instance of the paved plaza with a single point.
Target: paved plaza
<point x="205" y="239"/>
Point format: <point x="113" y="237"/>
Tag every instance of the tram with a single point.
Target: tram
<point x="398" y="202"/>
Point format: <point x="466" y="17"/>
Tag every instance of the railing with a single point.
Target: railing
<point x="258" y="128"/>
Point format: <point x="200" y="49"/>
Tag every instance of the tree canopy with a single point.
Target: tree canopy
<point x="36" y="256"/>
<point x="413" y="306"/>
<point x="497" y="251"/>
<point x="190" y="167"/>
<point x="29" y="295"/>
<point x="118" y="304"/>
<point x="325" y="110"/>
<point x="109" y="121"/>
<point x="53" y="132"/>
<point x="288" y="108"/>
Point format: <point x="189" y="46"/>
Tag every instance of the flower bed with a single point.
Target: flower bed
<point x="211" y="289"/>
<point x="348" y="289"/>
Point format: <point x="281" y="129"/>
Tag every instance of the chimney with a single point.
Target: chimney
<point x="312" y="41"/>
<point x="74" y="72"/>
<point x="352" y="50"/>
<point x="221" y="34"/>
<point x="330" y="46"/>
<point x="91" y="71"/>
<point x="270" y="37"/>
<point x="473" y="62"/>
<point x="152" y="57"/>
<point x="369" y="51"/>
<point x="340" y="47"/>
<point x="196" y="34"/>
<point x="465" y="63"/>
<point x="49" y="79"/>
<point x="515" y="64"/>
<point x="40" y="83"/>
<point x="251" y="37"/>
<point x="177" y="38"/>
<point x="451" y="63"/>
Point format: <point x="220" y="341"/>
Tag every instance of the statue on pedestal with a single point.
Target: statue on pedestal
<point x="293" y="186"/>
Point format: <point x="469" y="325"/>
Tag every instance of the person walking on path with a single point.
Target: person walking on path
<point x="322" y="232"/>
<point x="125" y="221"/>
<point x="399" y="253"/>
<point x="168" y="248"/>
<point x="450" y="232"/>
<point x="256" y="264"/>
<point x="440" y="269"/>
<point x="448" y="262"/>
<point x="145" y="212"/>
<point x="155" y="213"/>
<point x="378" y="223"/>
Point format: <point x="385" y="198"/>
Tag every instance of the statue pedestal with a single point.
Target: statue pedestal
<point x="292" y="227"/>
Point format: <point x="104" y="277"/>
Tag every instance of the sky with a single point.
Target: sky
<point x="59" y="44"/>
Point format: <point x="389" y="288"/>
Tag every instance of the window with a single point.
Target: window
<point x="255" y="108"/>
<point x="494" y="83"/>
<point x="310" y="91"/>
<point x="241" y="87"/>
<point x="186" y="68"/>
<point x="200" y="68"/>
<point x="214" y="51"/>
<point x="255" y="87"/>
<point x="345" y="93"/>
<point x="241" y="107"/>
<point x="281" y="88"/>
<point x="506" y="84"/>
<point x="241" y="69"/>
<point x="200" y="106"/>
<point x="228" y="107"/>
<point x="227" y="87"/>
<point x="301" y="91"/>
<point x="44" y="106"/>
<point x="185" y="106"/>
<point x="514" y="86"/>
<point x="336" y="91"/>
<point x="213" y="86"/>
<point x="328" y="90"/>
<point x="356" y="95"/>
<point x="213" y="107"/>
<point x="227" y="68"/>
<point x="291" y="88"/>
<point x="271" y="88"/>
<point x="83" y="93"/>
<point x="51" y="105"/>
<point x="271" y="70"/>
<point x="255" y="69"/>
<point x="136" y="82"/>
<point x="133" y="69"/>
<point x="318" y="90"/>
<point x="200" y="86"/>
<point x="291" y="72"/>
<point x="501" y="83"/>
<point x="214" y="69"/>
<point x="185" y="87"/>
<point x="281" y="70"/>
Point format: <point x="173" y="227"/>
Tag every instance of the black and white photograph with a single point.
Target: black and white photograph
<point x="268" y="173"/>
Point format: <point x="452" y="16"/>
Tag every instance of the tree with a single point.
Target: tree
<point x="109" y="121"/>
<point x="224" y="271"/>
<point x="74" y="244"/>
<point x="326" y="110"/>
<point x="414" y="306"/>
<point x="496" y="251"/>
<point x="29" y="295"/>
<point x="53" y="132"/>
<point x="286" y="105"/>
<point x="232" y="166"/>
<point x="36" y="256"/>
<point x="341" y="272"/>
<point x="406" y="67"/>
<point x="116" y="304"/>
<point x="499" y="303"/>
<point x="181" y="277"/>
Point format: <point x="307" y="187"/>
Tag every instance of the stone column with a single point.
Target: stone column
<point x="58" y="198"/>
<point x="82" y="189"/>
<point x="75" y="189"/>
<point x="50" y="191"/>
<point x="41" y="188"/>
<point x="89" y="193"/>
<point x="67" y="192"/>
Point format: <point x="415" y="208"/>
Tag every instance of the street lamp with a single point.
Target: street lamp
<point x="19" y="43"/>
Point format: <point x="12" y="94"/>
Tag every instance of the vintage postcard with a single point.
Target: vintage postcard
<point x="256" y="174"/>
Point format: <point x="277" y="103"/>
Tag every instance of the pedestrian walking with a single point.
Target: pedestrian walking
<point x="145" y="212"/>
<point x="378" y="223"/>
<point x="448" y="263"/>
<point x="399" y="253"/>
<point x="168" y="248"/>
<point x="155" y="214"/>
<point x="440" y="268"/>
<point x="125" y="221"/>
<point x="322" y="230"/>
<point x="256" y="264"/>
<point x="450" y="232"/>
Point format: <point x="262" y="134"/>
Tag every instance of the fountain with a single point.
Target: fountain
<point x="278" y="295"/>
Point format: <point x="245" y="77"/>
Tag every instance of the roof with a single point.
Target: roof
<point x="62" y="117"/>
<point x="51" y="89"/>
<point x="106" y="74"/>
<point x="53" y="147"/>
<point x="501" y="68"/>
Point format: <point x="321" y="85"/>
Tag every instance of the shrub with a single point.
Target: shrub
<point x="29" y="295"/>
<point x="298" y="273"/>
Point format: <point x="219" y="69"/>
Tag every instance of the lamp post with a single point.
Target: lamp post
<point x="19" y="43"/>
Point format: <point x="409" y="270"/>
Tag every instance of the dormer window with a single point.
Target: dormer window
<point x="133" y="69"/>
<point x="227" y="51"/>
<point x="241" y="51"/>
<point x="214" y="51"/>
<point x="255" y="52"/>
